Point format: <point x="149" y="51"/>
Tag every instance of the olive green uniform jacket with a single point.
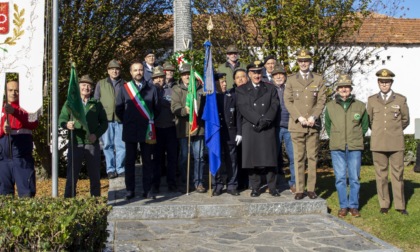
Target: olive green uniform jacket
<point x="178" y="100"/>
<point x="225" y="68"/>
<point x="387" y="122"/>
<point x="304" y="98"/>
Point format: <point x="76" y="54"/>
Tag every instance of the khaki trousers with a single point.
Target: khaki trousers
<point x="305" y="146"/>
<point x="395" y="161"/>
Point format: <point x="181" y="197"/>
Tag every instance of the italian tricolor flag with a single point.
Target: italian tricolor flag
<point x="192" y="102"/>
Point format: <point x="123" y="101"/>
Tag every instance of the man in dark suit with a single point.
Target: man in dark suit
<point x="267" y="73"/>
<point x="258" y="103"/>
<point x="230" y="136"/>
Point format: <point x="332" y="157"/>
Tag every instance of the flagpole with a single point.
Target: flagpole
<point x="54" y="144"/>
<point x="209" y="28"/>
<point x="189" y="156"/>
<point x="7" y="120"/>
<point x="72" y="158"/>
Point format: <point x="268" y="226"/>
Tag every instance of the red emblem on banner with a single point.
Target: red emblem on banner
<point x="4" y="18"/>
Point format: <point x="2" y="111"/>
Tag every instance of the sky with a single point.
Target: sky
<point x="413" y="10"/>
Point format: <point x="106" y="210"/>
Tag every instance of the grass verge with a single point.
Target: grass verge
<point x="394" y="228"/>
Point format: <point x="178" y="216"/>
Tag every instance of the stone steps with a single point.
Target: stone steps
<point x="169" y="205"/>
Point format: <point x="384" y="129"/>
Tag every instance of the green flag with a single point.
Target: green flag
<point x="74" y="101"/>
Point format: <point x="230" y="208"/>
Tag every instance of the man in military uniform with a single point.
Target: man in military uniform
<point x="258" y="103"/>
<point x="305" y="99"/>
<point x="232" y="62"/>
<point x="388" y="117"/>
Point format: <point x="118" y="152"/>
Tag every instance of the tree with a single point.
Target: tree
<point x="91" y="33"/>
<point x="281" y="27"/>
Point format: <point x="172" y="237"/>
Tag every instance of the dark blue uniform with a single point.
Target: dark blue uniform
<point x="230" y="122"/>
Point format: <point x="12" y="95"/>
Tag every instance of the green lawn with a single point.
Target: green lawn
<point x="394" y="228"/>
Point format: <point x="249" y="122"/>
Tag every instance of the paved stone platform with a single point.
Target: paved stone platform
<point x="295" y="233"/>
<point x="199" y="222"/>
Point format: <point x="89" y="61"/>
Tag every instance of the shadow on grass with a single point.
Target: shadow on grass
<point x="326" y="187"/>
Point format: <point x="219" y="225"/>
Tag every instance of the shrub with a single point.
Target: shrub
<point x="409" y="153"/>
<point x="53" y="224"/>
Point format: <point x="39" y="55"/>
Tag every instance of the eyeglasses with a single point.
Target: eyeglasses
<point x="255" y="71"/>
<point x="231" y="53"/>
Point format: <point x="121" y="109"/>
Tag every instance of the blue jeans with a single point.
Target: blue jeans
<point x="114" y="148"/>
<point x="197" y="147"/>
<point x="283" y="134"/>
<point x="347" y="163"/>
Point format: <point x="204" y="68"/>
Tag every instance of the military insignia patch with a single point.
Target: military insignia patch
<point x="303" y="53"/>
<point x="357" y="116"/>
<point x="257" y="63"/>
<point x="384" y="73"/>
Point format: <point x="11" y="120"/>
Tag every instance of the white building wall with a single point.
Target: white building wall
<point x="403" y="61"/>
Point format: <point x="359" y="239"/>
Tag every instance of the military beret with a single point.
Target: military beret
<point x="114" y="64"/>
<point x="343" y="80"/>
<point x="184" y="68"/>
<point x="304" y="54"/>
<point x="238" y="70"/>
<point x="167" y="66"/>
<point x="385" y="74"/>
<point x="86" y="79"/>
<point x="219" y="76"/>
<point x="149" y="51"/>
<point x="232" y="49"/>
<point x="278" y="68"/>
<point x="269" y="57"/>
<point x="158" y="72"/>
<point x="256" y="65"/>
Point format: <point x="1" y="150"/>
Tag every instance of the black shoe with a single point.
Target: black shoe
<point x="255" y="193"/>
<point x="122" y="174"/>
<point x="129" y="195"/>
<point x="149" y="195"/>
<point x="384" y="211"/>
<point x="274" y="193"/>
<point x="403" y="211"/>
<point x="155" y="189"/>
<point x="233" y="192"/>
<point x="173" y="188"/>
<point x="217" y="193"/>
<point x="112" y="175"/>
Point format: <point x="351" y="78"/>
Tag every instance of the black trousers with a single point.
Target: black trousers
<point x="231" y="163"/>
<point x="166" y="143"/>
<point x="91" y="153"/>
<point x="255" y="177"/>
<point x="147" y="157"/>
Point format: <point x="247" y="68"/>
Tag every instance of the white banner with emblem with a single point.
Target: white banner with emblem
<point x="22" y="49"/>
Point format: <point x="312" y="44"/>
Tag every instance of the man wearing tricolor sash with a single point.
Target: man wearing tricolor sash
<point x="137" y="106"/>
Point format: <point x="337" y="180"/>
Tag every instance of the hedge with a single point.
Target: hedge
<point x="53" y="224"/>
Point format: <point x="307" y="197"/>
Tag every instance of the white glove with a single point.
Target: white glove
<point x="302" y="120"/>
<point x="238" y="140"/>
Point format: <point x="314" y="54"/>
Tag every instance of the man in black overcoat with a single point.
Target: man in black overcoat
<point x="258" y="103"/>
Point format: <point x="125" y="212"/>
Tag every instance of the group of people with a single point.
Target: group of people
<point x="260" y="109"/>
